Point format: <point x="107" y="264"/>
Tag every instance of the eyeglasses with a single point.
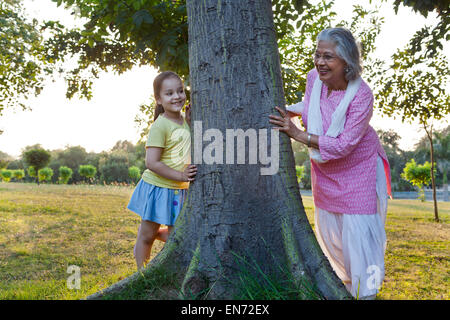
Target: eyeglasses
<point x="326" y="57"/>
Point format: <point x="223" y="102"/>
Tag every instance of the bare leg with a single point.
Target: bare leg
<point x="163" y="233"/>
<point x="146" y="236"/>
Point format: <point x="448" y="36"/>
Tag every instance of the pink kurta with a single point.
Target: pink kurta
<point x="346" y="183"/>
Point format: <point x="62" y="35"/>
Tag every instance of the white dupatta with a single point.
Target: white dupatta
<point x="315" y="125"/>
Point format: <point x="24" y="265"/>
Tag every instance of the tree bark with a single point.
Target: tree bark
<point x="445" y="185"/>
<point x="433" y="182"/>
<point x="232" y="210"/>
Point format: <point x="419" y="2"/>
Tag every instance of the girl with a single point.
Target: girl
<point x="159" y="195"/>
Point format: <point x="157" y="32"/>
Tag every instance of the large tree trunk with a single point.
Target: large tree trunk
<point x="233" y="210"/>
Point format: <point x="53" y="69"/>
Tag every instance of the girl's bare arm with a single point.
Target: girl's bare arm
<point x="153" y="162"/>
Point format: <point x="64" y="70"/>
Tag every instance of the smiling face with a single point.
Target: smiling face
<point x="329" y="66"/>
<point x="171" y="96"/>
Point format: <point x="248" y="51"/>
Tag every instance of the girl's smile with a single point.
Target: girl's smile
<point x="172" y="97"/>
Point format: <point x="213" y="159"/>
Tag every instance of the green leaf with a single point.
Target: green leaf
<point x="142" y="16"/>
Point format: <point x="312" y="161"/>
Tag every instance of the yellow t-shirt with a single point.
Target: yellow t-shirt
<point x="175" y="140"/>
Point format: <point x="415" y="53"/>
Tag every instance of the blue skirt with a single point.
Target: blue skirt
<point x="160" y="205"/>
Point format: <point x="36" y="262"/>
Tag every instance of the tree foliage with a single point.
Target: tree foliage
<point x="297" y="46"/>
<point x="134" y="173"/>
<point x="5" y="159"/>
<point x="297" y="26"/>
<point x="71" y="157"/>
<point x="429" y="40"/>
<point x="442" y="152"/>
<point x="65" y="173"/>
<point x="414" y="88"/>
<point x="418" y="175"/>
<point x="87" y="171"/>
<point x="300" y="173"/>
<point x="114" y="163"/>
<point x="113" y="167"/>
<point x="397" y="159"/>
<point x="23" y="63"/>
<point x="37" y="158"/>
<point x="6" y="175"/>
<point x="45" y="174"/>
<point x="18" y="174"/>
<point x="32" y="172"/>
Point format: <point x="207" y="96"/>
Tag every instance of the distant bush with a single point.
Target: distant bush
<point x="134" y="173"/>
<point x="87" y="171"/>
<point x="31" y="172"/>
<point x="45" y="174"/>
<point x="65" y="173"/>
<point x="18" y="174"/>
<point x="300" y="173"/>
<point x="6" y="175"/>
<point x="418" y="175"/>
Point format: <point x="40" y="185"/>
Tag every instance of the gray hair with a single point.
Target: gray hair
<point x="346" y="48"/>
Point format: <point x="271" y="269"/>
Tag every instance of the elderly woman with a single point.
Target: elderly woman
<point x="350" y="173"/>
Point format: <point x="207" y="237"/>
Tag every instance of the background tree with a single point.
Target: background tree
<point x="5" y="159"/>
<point x="442" y="151"/>
<point x="16" y="164"/>
<point x="65" y="173"/>
<point x="414" y="88"/>
<point x="140" y="155"/>
<point x="71" y="157"/>
<point x="301" y="156"/>
<point x="45" y="174"/>
<point x="135" y="154"/>
<point x="88" y="172"/>
<point x="124" y="154"/>
<point x="422" y="151"/>
<point x="22" y="59"/>
<point x="397" y="158"/>
<point x="36" y="158"/>
<point x="113" y="167"/>
<point x="300" y="173"/>
<point x="429" y="40"/>
<point x="417" y="175"/>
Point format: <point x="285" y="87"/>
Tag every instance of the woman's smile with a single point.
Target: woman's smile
<point x="329" y="66"/>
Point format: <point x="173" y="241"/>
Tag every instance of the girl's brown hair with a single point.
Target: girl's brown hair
<point x="157" y="83"/>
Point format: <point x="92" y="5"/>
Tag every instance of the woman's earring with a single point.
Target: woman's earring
<point x="346" y="69"/>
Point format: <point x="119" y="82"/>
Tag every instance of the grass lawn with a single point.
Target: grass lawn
<point x="46" y="229"/>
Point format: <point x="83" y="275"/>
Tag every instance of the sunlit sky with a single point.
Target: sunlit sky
<point x="98" y="124"/>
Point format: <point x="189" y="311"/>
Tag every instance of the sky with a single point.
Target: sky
<point x="56" y="122"/>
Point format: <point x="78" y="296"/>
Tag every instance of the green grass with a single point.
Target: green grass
<point x="417" y="259"/>
<point x="45" y="229"/>
<point x="253" y="283"/>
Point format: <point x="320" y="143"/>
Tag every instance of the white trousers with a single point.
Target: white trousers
<point x="355" y="244"/>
